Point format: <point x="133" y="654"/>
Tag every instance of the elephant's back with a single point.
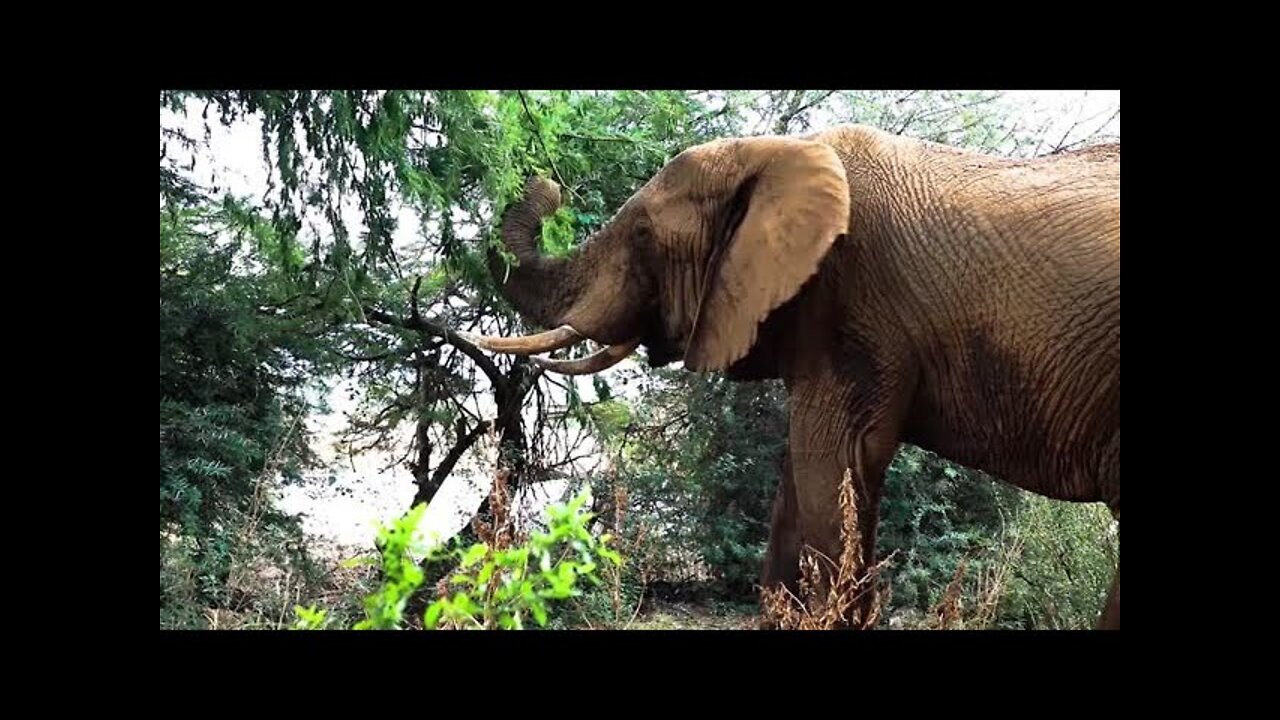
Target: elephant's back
<point x="1019" y="269"/>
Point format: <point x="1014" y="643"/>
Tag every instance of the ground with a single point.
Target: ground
<point x="695" y="616"/>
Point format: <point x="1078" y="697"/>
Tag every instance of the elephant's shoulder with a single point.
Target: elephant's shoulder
<point x="871" y="144"/>
<point x="855" y="139"/>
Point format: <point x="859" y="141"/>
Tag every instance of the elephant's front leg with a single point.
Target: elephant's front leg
<point x="782" y="558"/>
<point x="834" y="429"/>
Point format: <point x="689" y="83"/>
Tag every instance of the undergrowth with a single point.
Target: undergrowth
<point x="500" y="583"/>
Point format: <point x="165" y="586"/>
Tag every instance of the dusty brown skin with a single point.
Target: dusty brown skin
<point x="903" y="290"/>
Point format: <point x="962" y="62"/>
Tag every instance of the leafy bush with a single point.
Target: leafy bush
<point x="495" y="585"/>
<point x="1049" y="568"/>
<point x="1067" y="556"/>
<point x="701" y="463"/>
<point x="934" y="514"/>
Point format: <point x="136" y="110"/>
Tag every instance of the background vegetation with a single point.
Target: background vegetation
<point x="367" y="250"/>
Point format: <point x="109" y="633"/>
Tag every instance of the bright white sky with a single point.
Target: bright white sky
<point x="361" y="491"/>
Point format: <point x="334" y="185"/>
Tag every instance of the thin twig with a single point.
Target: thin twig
<point x="791" y="114"/>
<point x="537" y="133"/>
<point x="600" y="139"/>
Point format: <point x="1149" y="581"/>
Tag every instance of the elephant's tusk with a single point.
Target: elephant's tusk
<point x="593" y="363"/>
<point x="561" y="337"/>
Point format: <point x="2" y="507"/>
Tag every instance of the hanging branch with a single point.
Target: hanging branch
<point x="537" y="134"/>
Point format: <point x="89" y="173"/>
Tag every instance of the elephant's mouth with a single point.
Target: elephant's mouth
<point x="661" y="349"/>
<point x="551" y="340"/>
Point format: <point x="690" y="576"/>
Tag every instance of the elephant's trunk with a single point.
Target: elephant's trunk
<point x="546" y="291"/>
<point x="541" y="289"/>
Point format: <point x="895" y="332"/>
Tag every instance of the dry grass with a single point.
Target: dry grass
<point x="630" y="549"/>
<point x="500" y="531"/>
<point x="641" y="555"/>
<point x="832" y="595"/>
<point x="951" y="613"/>
<point x="949" y="609"/>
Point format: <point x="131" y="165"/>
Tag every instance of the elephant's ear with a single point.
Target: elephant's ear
<point x="796" y="201"/>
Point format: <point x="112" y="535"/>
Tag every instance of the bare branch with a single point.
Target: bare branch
<point x="798" y="107"/>
<point x="600" y="139"/>
<point x="370" y="358"/>
<point x="567" y="461"/>
<point x="426" y="326"/>
<point x="464" y="410"/>
<point x="397" y="462"/>
<point x="460" y="448"/>
<point x="1064" y="145"/>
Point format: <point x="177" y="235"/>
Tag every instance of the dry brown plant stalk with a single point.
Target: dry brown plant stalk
<point x="831" y="593"/>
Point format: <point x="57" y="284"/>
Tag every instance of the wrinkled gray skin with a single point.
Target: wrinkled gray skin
<point x="903" y="290"/>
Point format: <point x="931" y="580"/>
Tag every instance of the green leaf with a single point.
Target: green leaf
<point x="539" y="613"/>
<point x="432" y="616"/>
<point x="558" y="233"/>
<point x="474" y="555"/>
<point x="357" y="562"/>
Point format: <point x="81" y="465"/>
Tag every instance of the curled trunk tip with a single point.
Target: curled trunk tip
<point x="544" y="193"/>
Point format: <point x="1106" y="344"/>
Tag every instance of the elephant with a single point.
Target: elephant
<point x="903" y="291"/>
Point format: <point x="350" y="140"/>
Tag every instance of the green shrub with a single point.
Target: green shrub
<point x="934" y="514"/>
<point x="495" y="585"/>
<point x="1068" y="555"/>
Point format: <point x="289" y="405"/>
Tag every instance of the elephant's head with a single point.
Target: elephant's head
<point x="690" y="266"/>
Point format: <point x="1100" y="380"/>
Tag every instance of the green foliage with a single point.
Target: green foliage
<point x="502" y="588"/>
<point x="492" y="587"/>
<point x="611" y="417"/>
<point x="455" y="158"/>
<point x="384" y="609"/>
<point x="310" y="618"/>
<point x="230" y="403"/>
<point x="935" y="514"/>
<point x="557" y="233"/>
<point x="1065" y="557"/>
